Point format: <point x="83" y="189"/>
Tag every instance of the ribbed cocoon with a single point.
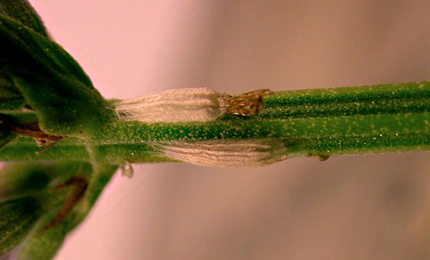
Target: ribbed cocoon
<point x="176" y="105"/>
<point x="226" y="153"/>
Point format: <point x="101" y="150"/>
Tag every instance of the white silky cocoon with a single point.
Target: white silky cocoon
<point x="226" y="153"/>
<point x="176" y="105"/>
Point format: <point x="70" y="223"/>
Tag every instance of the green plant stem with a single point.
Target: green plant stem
<point x="324" y="122"/>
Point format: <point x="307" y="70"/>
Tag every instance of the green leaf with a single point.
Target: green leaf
<point x="17" y="219"/>
<point x="25" y="179"/>
<point x="23" y="49"/>
<point x="51" y="81"/>
<point x="22" y="11"/>
<point x="10" y="97"/>
<point x="64" y="106"/>
<point x="50" y="186"/>
<point x="6" y="135"/>
<point x="45" y="244"/>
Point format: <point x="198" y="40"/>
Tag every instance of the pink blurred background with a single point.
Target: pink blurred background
<point x="366" y="207"/>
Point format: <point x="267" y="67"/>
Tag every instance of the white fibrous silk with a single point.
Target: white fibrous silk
<point x="226" y="153"/>
<point x="177" y="105"/>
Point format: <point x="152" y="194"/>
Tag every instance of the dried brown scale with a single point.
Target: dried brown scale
<point x="322" y="158"/>
<point x="247" y="104"/>
<point x="44" y="140"/>
<point x="28" y="107"/>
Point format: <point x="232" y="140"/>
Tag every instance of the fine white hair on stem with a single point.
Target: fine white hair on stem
<point x="176" y="105"/>
<point x="226" y="153"/>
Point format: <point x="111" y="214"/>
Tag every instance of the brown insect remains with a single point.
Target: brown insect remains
<point x="247" y="104"/>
